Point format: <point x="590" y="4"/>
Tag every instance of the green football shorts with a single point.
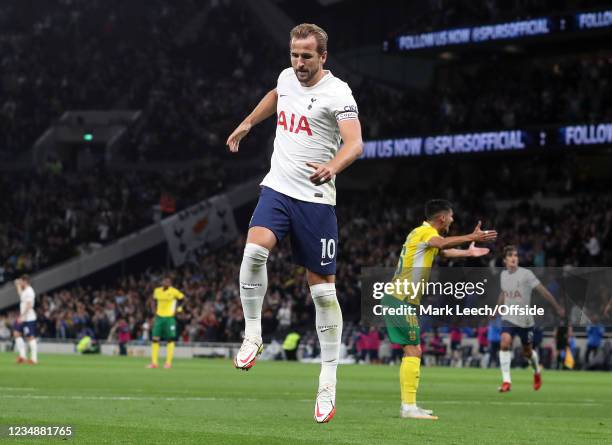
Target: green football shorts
<point x="164" y="328"/>
<point x="402" y="329"/>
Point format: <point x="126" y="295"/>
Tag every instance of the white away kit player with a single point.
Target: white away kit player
<point x="517" y="285"/>
<point x="25" y="325"/>
<point x="315" y="112"/>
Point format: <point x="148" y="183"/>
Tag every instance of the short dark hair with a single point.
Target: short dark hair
<point x="509" y="249"/>
<point x="435" y="206"/>
<point x="26" y="278"/>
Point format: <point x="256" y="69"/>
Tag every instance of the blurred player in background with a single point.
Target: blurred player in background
<point x="26" y="321"/>
<point x="315" y="112"/>
<point x="416" y="258"/>
<point x="164" y="326"/>
<point x="517" y="284"/>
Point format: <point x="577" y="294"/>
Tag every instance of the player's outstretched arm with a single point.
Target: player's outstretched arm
<point x="477" y="236"/>
<point x="470" y="252"/>
<point x="551" y="299"/>
<point x="352" y="147"/>
<point x="264" y="109"/>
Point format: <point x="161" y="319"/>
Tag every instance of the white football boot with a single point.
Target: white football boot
<point x="249" y="351"/>
<point x="325" y="405"/>
<point x="417" y="413"/>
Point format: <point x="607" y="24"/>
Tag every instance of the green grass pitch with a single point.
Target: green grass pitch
<point x="117" y="400"/>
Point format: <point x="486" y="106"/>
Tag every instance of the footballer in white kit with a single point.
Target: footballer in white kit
<point x="25" y="326"/>
<point x="517" y="284"/>
<point x="315" y="112"/>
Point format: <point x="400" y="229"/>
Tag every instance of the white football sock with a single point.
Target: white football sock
<point x="253" y="286"/>
<point x="534" y="361"/>
<point x="505" y="357"/>
<point x="33" y="350"/>
<point x="329" y="329"/>
<point x="20" y="346"/>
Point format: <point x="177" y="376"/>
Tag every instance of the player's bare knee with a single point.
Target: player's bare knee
<point x="527" y="351"/>
<point x="506" y="342"/>
<point x="261" y="236"/>
<point x="155" y="340"/>
<point x="314" y="278"/>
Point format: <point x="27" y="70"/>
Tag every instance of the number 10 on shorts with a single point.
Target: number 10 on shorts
<point x="328" y="249"/>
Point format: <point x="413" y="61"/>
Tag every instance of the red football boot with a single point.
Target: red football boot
<point x="505" y="387"/>
<point x="537" y="381"/>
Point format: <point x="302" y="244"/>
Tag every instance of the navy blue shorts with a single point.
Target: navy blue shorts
<point x="525" y="334"/>
<point x="312" y="227"/>
<point x="26" y="328"/>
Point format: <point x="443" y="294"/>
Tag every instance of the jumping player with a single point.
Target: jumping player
<point x="416" y="259"/>
<point x="517" y="284"/>
<point x="315" y="111"/>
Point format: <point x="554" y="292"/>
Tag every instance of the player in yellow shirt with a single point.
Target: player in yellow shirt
<point x="164" y="327"/>
<point x="422" y="245"/>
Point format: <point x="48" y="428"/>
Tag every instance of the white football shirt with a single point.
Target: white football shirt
<point x="516" y="289"/>
<point x="307" y="131"/>
<point x="27" y="295"/>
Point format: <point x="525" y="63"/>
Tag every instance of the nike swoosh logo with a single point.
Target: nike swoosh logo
<point x="325" y="330"/>
<point x="325" y="264"/>
<point x="247" y="359"/>
<point x="318" y="412"/>
<point x="282" y="95"/>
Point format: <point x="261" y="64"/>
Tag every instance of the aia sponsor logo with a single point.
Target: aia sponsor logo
<point x="295" y="123"/>
<point x="512" y="294"/>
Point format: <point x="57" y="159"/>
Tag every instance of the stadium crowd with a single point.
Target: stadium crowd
<point x="159" y="57"/>
<point x="370" y="237"/>
<point x="52" y="216"/>
<point x="168" y="63"/>
<point x="569" y="89"/>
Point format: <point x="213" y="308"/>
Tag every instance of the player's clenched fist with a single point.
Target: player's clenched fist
<point x="323" y="173"/>
<point x="233" y="141"/>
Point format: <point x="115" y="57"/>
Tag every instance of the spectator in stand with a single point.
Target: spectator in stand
<point x="121" y="330"/>
<point x="435" y="346"/>
<point x="373" y="344"/>
<point x="595" y="335"/>
<point x="361" y="346"/>
<point x="291" y="344"/>
<point x="482" y="334"/>
<point x="5" y="332"/>
<point x="456" y="352"/>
